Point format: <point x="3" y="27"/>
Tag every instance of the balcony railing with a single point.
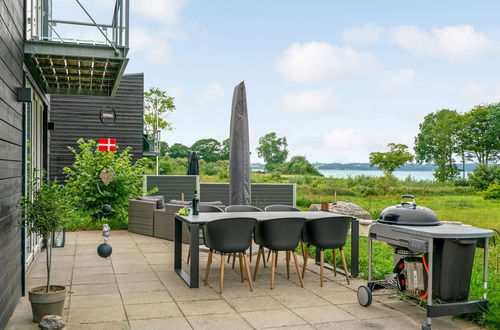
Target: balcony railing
<point x="42" y="26"/>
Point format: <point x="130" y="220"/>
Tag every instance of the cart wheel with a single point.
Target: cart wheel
<point x="364" y="296"/>
<point x="426" y="327"/>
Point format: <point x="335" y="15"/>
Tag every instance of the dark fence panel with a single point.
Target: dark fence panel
<point x="173" y="186"/>
<point x="263" y="194"/>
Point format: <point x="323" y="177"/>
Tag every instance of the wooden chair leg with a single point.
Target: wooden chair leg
<point x="264" y="258"/>
<point x="228" y="258"/>
<point x="261" y="252"/>
<point x="302" y="249"/>
<point x="234" y="259"/>
<point x="288" y="264"/>
<point x="189" y="255"/>
<point x="306" y="257"/>
<point x="249" y="275"/>
<point x="240" y="255"/>
<point x="276" y="261"/>
<point x="273" y="268"/>
<point x="344" y="263"/>
<point x="334" y="255"/>
<point x="296" y="261"/>
<point x="221" y="280"/>
<point x="209" y="263"/>
<point x="322" y="266"/>
<point x="268" y="255"/>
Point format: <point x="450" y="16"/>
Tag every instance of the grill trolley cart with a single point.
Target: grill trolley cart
<point x="419" y="240"/>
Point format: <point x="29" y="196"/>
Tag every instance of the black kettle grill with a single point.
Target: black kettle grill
<point x="408" y="214"/>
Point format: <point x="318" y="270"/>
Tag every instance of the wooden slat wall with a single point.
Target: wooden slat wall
<point x="263" y="194"/>
<point x="77" y="117"/>
<point x="11" y="77"/>
<point x="172" y="186"/>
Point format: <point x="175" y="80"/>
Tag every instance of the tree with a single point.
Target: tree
<point x="163" y="148"/>
<point x="207" y="149"/>
<point x="224" y="152"/>
<point x="178" y="150"/>
<point x="272" y="149"/>
<point x="437" y="142"/>
<point x="300" y="165"/>
<point x="397" y="156"/>
<point x="156" y="104"/>
<point x="479" y="135"/>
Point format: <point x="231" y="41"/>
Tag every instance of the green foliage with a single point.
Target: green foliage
<point x="272" y="149"/>
<point x="163" y="148"/>
<point x="299" y="165"/>
<point x="397" y="156"/>
<point x="207" y="149"/>
<point x="171" y="166"/>
<point x="493" y="191"/>
<point x="224" y="152"/>
<point x="483" y="176"/>
<point x="83" y="183"/>
<point x="437" y="142"/>
<point x="44" y="212"/>
<point x="178" y="150"/>
<point x="479" y="135"/>
<point x="156" y="104"/>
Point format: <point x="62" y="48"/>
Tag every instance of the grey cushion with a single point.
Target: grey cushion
<point x="159" y="199"/>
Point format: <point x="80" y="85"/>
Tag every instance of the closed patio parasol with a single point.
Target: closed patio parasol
<point x="193" y="165"/>
<point x="239" y="154"/>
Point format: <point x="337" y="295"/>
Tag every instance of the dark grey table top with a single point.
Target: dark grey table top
<point x="259" y="216"/>
<point x="445" y="230"/>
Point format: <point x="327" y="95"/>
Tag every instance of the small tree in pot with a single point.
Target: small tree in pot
<point x="43" y="213"/>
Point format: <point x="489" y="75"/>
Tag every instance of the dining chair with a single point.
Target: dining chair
<point x="326" y="233"/>
<point x="242" y="208"/>
<point x="226" y="236"/>
<point x="283" y="208"/>
<point x="280" y="234"/>
<point x="205" y="209"/>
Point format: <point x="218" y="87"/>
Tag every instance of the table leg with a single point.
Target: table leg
<point x="485" y="269"/>
<point x="178" y="245"/>
<point x="354" y="247"/>
<point x="370" y="248"/>
<point x="430" y="276"/>
<point x="194" y="266"/>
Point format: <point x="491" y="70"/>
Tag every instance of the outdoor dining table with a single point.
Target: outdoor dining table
<point x="195" y="221"/>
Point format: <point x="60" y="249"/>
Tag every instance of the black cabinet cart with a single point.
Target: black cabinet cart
<point x="423" y="240"/>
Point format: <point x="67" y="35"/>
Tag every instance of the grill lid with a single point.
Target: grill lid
<point x="408" y="214"/>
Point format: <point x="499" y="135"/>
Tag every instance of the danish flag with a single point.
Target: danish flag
<point x="107" y="144"/>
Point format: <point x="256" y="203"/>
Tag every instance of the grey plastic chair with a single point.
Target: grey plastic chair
<point x="280" y="208"/>
<point x="229" y="236"/>
<point x="204" y="209"/>
<point x="242" y="208"/>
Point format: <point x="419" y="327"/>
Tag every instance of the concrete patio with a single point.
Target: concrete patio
<point x="136" y="288"/>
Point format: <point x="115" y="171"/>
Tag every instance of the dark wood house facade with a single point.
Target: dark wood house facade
<point x="92" y="117"/>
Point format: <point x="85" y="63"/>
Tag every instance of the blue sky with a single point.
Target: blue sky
<point x="339" y="79"/>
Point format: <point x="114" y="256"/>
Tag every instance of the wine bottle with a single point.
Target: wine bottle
<point x="194" y="203"/>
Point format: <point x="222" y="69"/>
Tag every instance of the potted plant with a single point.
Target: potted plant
<point x="43" y="213"/>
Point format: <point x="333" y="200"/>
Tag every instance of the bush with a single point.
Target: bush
<point x="483" y="176"/>
<point x="493" y="192"/>
<point x="88" y="192"/>
<point x="300" y="165"/>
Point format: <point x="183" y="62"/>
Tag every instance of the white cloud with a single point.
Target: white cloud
<point x="400" y="81"/>
<point x="363" y="35"/>
<point x="475" y="93"/>
<point x="164" y="11"/>
<point x="456" y="42"/>
<point x="343" y="138"/>
<point x="320" y="61"/>
<point x="322" y="100"/>
<point x="213" y="92"/>
<point x="153" y="47"/>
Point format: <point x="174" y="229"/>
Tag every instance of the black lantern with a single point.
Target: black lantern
<point x="59" y="238"/>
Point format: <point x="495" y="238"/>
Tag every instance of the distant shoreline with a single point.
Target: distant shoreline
<point x="366" y="167"/>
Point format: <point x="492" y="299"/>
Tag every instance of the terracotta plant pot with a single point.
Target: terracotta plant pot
<point x="43" y="303"/>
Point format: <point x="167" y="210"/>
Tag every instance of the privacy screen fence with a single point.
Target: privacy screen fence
<point x="174" y="186"/>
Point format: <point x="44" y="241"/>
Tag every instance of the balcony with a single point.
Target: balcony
<point x="62" y="64"/>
